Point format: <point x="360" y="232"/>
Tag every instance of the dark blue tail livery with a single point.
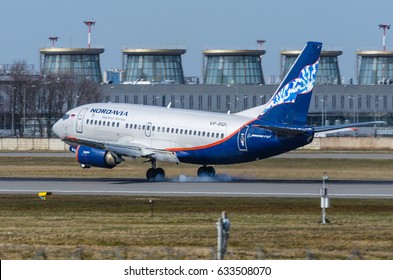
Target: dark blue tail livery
<point x="289" y="104"/>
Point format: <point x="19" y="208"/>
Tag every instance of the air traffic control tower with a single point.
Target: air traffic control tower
<point x="149" y="66"/>
<point x="328" y="70"/>
<point x="375" y="67"/>
<point x="233" y="67"/>
<point x="79" y="63"/>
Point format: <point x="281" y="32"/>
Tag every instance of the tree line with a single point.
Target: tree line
<point x="30" y="104"/>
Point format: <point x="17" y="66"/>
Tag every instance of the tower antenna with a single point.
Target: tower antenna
<point x="384" y="27"/>
<point x="53" y="39"/>
<point x="89" y="24"/>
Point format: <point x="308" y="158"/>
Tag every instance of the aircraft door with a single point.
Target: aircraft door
<point x="79" y="120"/>
<point x="148" y="129"/>
<point x="242" y="139"/>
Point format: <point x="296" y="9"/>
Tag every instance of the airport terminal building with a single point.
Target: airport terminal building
<point x="233" y="81"/>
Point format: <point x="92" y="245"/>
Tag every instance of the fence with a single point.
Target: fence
<point x="327" y="143"/>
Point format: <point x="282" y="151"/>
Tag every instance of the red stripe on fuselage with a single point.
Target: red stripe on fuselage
<point x="211" y="144"/>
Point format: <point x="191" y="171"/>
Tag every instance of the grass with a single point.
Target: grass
<point x="99" y="227"/>
<point x="275" y="168"/>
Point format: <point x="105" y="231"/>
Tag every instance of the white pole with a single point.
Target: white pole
<point x="220" y="254"/>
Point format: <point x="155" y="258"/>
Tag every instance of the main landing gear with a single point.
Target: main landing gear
<point x="154" y="174"/>
<point x="206" y="171"/>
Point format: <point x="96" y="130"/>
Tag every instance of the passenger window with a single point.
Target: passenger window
<point x="190" y="132"/>
<point x="208" y="134"/>
<point x="139" y="127"/>
<point x="135" y="126"/>
<point x="185" y="131"/>
<point x="99" y="123"/>
<point x="199" y="133"/>
<point x="95" y="122"/>
<point x="91" y="121"/>
<point x="195" y="132"/>
<point x="126" y="125"/>
<point x="167" y="130"/>
<point x="143" y="127"/>
<point x="217" y="135"/>
<point x="222" y="135"/>
<point x="158" y="129"/>
<point x="104" y="123"/>
<point x="113" y="124"/>
<point x="203" y="133"/>
<point x="108" y="123"/>
<point x="172" y="130"/>
<point x="87" y="121"/>
<point x="118" y="125"/>
<point x="154" y="128"/>
<point x="177" y="130"/>
<point x="181" y="131"/>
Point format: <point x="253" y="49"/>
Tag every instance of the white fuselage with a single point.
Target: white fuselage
<point x="158" y="127"/>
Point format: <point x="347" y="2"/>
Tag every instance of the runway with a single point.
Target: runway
<point x="182" y="186"/>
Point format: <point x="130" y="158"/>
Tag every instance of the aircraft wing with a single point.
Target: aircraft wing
<point x="341" y="126"/>
<point x="126" y="148"/>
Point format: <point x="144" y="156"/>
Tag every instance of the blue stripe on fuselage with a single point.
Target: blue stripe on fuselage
<point x="261" y="143"/>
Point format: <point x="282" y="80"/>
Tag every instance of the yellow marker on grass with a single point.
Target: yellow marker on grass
<point x="43" y="195"/>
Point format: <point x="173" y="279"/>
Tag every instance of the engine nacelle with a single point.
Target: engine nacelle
<point x="88" y="156"/>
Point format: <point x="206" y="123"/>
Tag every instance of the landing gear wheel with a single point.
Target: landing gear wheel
<point x="155" y="174"/>
<point x="206" y="171"/>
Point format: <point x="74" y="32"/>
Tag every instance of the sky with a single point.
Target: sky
<point x="345" y="25"/>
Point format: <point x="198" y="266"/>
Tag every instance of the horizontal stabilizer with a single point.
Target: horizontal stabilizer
<point x="287" y="131"/>
<point x="340" y="126"/>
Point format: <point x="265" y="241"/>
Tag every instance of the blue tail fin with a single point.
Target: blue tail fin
<point x="290" y="103"/>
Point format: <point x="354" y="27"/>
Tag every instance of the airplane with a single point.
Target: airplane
<point x="102" y="134"/>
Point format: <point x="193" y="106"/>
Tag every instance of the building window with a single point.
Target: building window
<point x="359" y="102"/>
<point x="200" y="102"/>
<point x="342" y="101"/>
<point x="334" y="104"/>
<point x="316" y="102"/>
<point x="136" y="101"/>
<point x="254" y="101"/>
<point x="182" y="101"/>
<point x="209" y="102"/>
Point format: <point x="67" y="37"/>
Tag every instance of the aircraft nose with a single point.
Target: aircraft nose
<point x="58" y="128"/>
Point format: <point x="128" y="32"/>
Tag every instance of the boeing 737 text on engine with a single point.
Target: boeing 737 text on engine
<point x="103" y="134"/>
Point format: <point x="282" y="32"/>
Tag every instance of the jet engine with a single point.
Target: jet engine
<point x="88" y="156"/>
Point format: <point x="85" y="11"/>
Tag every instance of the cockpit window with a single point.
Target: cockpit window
<point x="66" y="116"/>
